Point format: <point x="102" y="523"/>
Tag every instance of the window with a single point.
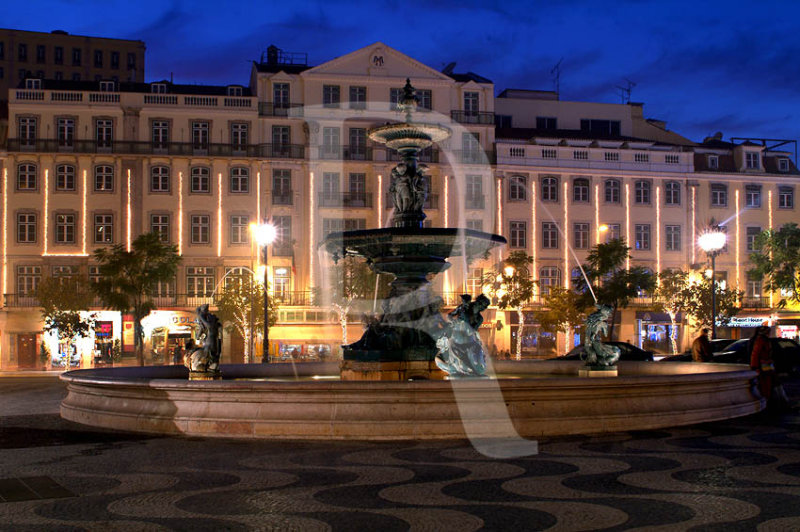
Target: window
<point x="240" y="180"/>
<point x="199" y="281"/>
<point x="76" y="57"/>
<point x="474" y="192"/>
<point x="2" y="73"/>
<point x="642" y="236"/>
<point x="753" y="288"/>
<point x="240" y="226"/>
<point x="752" y="160"/>
<point x="283" y="282"/>
<point x="103" y="228"/>
<point x="550" y="189"/>
<point x="65" y="177"/>
<point x="611" y="156"/>
<point x="201" y="231"/>
<point x="358" y="189"/>
<point x="330" y="185"/>
<point x="475" y="281"/>
<point x="672" y="159"/>
<point x="395" y="95"/>
<point x="332" y="225"/>
<point x="424" y="99"/>
<point x="752" y="196"/>
<point x="159" y="179"/>
<point x="22" y="54"/>
<point x="517" y="188"/>
<point x="26" y="228"/>
<point x="546" y="122"/>
<point x="330" y="141"/>
<point x="280" y="95"/>
<point x="40" y="53"/>
<point x="672" y="193"/>
<point x="76" y="76"/>
<point x="108" y="86"/>
<point x="580" y="190"/>
<point x="27" y="131"/>
<point x="783" y="165"/>
<point x="65" y="228"/>
<point x="475" y="225"/>
<point x="549" y="153"/>
<point x="549" y="276"/>
<point x="28" y="278"/>
<point x="641" y="157"/>
<point x="158" y="88"/>
<point x="752" y="234"/>
<point x="201" y="180"/>
<point x="283" y="235"/>
<point x="282" y="187"/>
<point x="471" y="103"/>
<point x="549" y="235"/>
<point x="103" y="178"/>
<point x="234" y="90"/>
<point x="613" y="232"/>
<point x="580" y="155"/>
<point x="131" y="61"/>
<point x="200" y="135"/>
<point x="26" y="177"/>
<point x="600" y="127"/>
<point x="66" y="131"/>
<point x="641" y="195"/>
<point x="58" y="55"/>
<point x="518" y="232"/>
<point x="330" y="96"/>
<point x="159" y="224"/>
<point x="786" y="197"/>
<point x="98" y="59"/>
<point x="516" y="152"/>
<point x="34" y="83"/>
<point x="580" y="232"/>
<point x="358" y="144"/>
<point x="239" y="136"/>
<point x="115" y="60"/>
<point x="471" y="146"/>
<point x="358" y="97"/>
<point x="280" y="140"/>
<point x="612" y="190"/>
<point x="713" y="162"/>
<point x="104" y="133"/>
<point x="719" y="195"/>
<point x="2" y="50"/>
<point x="673" y="237"/>
<point x="160" y="134"/>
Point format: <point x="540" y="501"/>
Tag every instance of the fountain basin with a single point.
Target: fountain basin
<point x="645" y="396"/>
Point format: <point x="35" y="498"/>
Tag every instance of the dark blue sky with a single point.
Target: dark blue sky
<point x="702" y="66"/>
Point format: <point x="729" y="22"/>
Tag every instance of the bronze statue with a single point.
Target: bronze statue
<point x="461" y="352"/>
<point x="205" y="358"/>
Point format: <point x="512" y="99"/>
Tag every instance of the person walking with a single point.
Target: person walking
<point x="177" y="354"/>
<point x="761" y="361"/>
<point x="701" y="348"/>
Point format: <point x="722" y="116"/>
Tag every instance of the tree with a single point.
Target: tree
<point x="611" y="283"/>
<point x="129" y="278"/>
<point x="564" y="309"/>
<point x="673" y="295"/>
<point x="697" y="295"/>
<point x="240" y="306"/>
<point x="513" y="285"/>
<point x="351" y="279"/>
<point x="777" y="260"/>
<point x="62" y="299"/>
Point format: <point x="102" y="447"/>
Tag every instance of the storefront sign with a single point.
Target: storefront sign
<point x="104" y="329"/>
<point x="747" y="321"/>
<point x="787" y="331"/>
<point x="127" y="333"/>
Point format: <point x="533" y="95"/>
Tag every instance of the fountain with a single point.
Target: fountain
<point x="389" y="384"/>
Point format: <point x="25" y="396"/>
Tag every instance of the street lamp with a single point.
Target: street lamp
<point x="712" y="243"/>
<point x="265" y="235"/>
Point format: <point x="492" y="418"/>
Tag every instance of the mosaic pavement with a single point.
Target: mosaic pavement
<point x="737" y="475"/>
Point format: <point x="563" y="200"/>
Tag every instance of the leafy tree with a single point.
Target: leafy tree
<point x="697" y="295"/>
<point x="610" y="281"/>
<point x="129" y="278"/>
<point x="673" y="295"/>
<point x="565" y="309"/>
<point x="512" y="285"/>
<point x="351" y="279"/>
<point x="240" y="305"/>
<point x="62" y="299"/>
<point x="777" y="260"/>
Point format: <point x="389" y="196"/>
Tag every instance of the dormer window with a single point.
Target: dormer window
<point x="783" y="165"/>
<point x="713" y="162"/>
<point x="107" y="86"/>
<point x="752" y="160"/>
<point x="33" y="84"/>
<point x="158" y="88"/>
<point x="234" y="90"/>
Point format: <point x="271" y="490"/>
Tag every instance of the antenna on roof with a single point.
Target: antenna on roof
<point x="625" y="92"/>
<point x="556" y="72"/>
<point x="449" y="68"/>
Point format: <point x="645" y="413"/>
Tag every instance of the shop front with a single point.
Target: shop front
<point x="743" y="325"/>
<point x="657" y="332"/>
<point x="166" y="333"/>
<point x="95" y="349"/>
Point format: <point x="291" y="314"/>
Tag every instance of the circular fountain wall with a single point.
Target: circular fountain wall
<point x="267" y="401"/>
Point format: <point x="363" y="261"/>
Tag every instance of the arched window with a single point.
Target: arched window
<point x="104" y="178"/>
<point x="612" y="190"/>
<point x="517" y="188"/>
<point x="201" y="180"/>
<point x="240" y="179"/>
<point x="65" y="177"/>
<point x="641" y="194"/>
<point x="159" y="179"/>
<point x="672" y="193"/>
<point x="548" y="276"/>
<point x="26" y="176"/>
<point x="550" y="189"/>
<point x="580" y="190"/>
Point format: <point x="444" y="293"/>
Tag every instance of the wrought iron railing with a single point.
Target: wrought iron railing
<point x="345" y="199"/>
<point x="473" y="117"/>
<point x="283" y="198"/>
<point x="345" y="152"/>
<point x="280" y="109"/>
<point x="278" y="151"/>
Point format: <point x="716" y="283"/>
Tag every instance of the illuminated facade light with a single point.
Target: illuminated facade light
<point x="83" y="209"/>
<point x="5" y="230"/>
<point x="597" y="213"/>
<point x="311" y="214"/>
<point x="628" y="222"/>
<point x="219" y="214"/>
<point x="566" y="236"/>
<point x="128" y="214"/>
<point x="533" y="239"/>
<point x="46" y="210"/>
<point x="499" y="206"/>
<point x="737" y="241"/>
<point x="658" y="233"/>
<point x="694" y="223"/>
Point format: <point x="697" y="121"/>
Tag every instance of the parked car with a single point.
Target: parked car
<point x="785" y="354"/>
<point x="627" y="352"/>
<point x="718" y="345"/>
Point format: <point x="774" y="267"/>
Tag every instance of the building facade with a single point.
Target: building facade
<point x="93" y="163"/>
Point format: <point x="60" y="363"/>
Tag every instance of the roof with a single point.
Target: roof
<point x="273" y="68"/>
<point x="129" y="86"/>
<point x="469" y="76"/>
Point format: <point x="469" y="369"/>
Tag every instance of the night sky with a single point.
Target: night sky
<point x="701" y="66"/>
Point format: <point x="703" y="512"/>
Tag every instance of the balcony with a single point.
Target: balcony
<point x="282" y="151"/>
<point x="132" y="99"/>
<point x="282" y="249"/>
<point x="20" y="301"/>
<point x="473" y="117"/>
<point x="431" y="202"/>
<point x="428" y="155"/>
<point x="283" y="197"/>
<point x="280" y="109"/>
<point x="475" y="202"/>
<point x="755" y="302"/>
<point x="345" y="199"/>
<point x="303" y="298"/>
<point x="473" y="156"/>
<point x="345" y="153"/>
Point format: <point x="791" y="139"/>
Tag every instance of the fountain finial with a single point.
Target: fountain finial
<point x="408" y="103"/>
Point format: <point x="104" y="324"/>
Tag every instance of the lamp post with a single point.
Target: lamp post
<point x="265" y="235"/>
<point x="712" y="243"/>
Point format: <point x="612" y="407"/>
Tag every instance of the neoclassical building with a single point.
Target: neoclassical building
<point x="88" y="164"/>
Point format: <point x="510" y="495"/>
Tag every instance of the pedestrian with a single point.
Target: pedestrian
<point x="701" y="348"/>
<point x="177" y="354"/>
<point x="761" y="361"/>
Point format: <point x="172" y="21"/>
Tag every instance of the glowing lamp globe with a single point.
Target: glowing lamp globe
<point x="265" y="234"/>
<point x="712" y="241"/>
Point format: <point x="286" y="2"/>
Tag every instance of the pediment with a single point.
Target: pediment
<point x="377" y="60"/>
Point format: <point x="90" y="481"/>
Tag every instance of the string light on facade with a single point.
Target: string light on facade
<point x="5" y="230"/>
<point x="83" y="209"/>
<point x="128" y="213"/>
<point x="658" y="234"/>
<point x="566" y="237"/>
<point x="737" y="241"/>
<point x="628" y="222"/>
